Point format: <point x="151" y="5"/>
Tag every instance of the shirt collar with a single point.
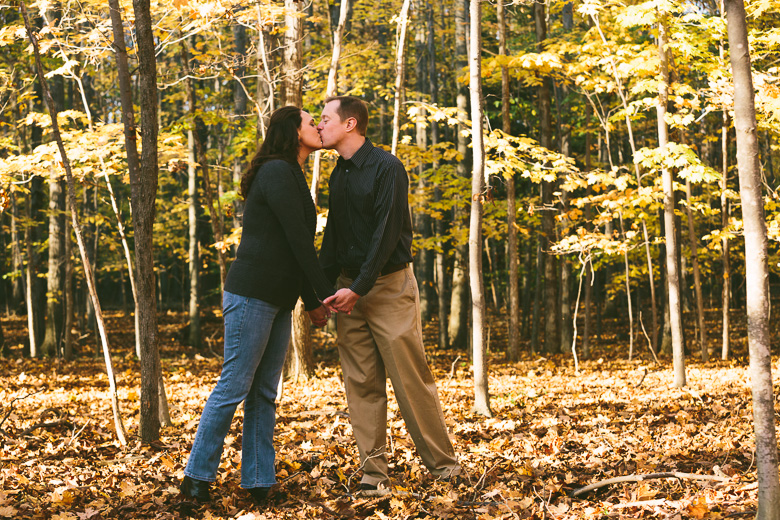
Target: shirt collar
<point x="360" y="156"/>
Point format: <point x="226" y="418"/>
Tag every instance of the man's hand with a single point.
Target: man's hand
<point x="319" y="316"/>
<point x="343" y="301"/>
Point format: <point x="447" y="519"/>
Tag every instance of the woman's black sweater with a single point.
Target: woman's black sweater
<point x="276" y="261"/>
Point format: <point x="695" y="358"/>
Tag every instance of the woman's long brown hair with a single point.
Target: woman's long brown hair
<point x="281" y="142"/>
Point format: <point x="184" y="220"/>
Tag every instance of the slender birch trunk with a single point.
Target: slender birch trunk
<point x="88" y="274"/>
<point x="673" y="280"/>
<point x="458" y="318"/>
<point x="330" y="91"/>
<point x="400" y="70"/>
<point x="479" y="325"/>
<point x="756" y="264"/>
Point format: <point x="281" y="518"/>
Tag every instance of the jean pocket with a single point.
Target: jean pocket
<point x="231" y="302"/>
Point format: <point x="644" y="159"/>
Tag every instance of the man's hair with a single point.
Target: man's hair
<point x="350" y="106"/>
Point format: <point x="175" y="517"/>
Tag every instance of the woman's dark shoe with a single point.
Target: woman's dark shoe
<point x="196" y="489"/>
<point x="259" y="494"/>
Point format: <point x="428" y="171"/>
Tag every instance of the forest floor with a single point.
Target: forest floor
<point x="553" y="431"/>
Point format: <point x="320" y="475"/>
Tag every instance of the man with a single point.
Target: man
<point x="367" y="245"/>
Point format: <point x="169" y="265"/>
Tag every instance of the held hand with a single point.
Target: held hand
<point x="319" y="316"/>
<point x="343" y="301"/>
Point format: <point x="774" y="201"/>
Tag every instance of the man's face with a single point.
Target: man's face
<point x="331" y="128"/>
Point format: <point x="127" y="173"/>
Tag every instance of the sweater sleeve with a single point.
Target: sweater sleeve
<point x="285" y="200"/>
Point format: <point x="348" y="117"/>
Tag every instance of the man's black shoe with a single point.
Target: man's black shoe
<point x="196" y="489"/>
<point x="259" y="494"/>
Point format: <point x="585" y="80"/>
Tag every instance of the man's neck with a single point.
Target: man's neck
<point x="348" y="148"/>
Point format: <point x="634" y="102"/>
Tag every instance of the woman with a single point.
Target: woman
<point x="275" y="264"/>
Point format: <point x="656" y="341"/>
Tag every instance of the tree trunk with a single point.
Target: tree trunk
<point x="544" y="92"/>
<point x="439" y="228"/>
<point x="293" y="50"/>
<point x="299" y="363"/>
<point x="88" y="274"/>
<point x="525" y="288"/>
<point x="756" y="264"/>
<point x="479" y="324"/>
<point x="331" y="90"/>
<point x="513" y="347"/>
<point x="17" y="264"/>
<point x="566" y="325"/>
<point x="724" y="217"/>
<point x="70" y="296"/>
<point x="143" y="191"/>
<point x="400" y="69"/>
<point x="52" y="341"/>
<point x="35" y="292"/>
<point x="193" y="263"/>
<point x="423" y="261"/>
<point x="770" y="169"/>
<point x="696" y="276"/>
<point x="458" y="325"/>
<point x="458" y="328"/>
<point x="265" y="89"/>
<point x="240" y="102"/>
<point x="564" y="136"/>
<point x="145" y="309"/>
<point x="672" y="275"/>
<point x="588" y="268"/>
<point x="537" y="295"/>
<point x="214" y="210"/>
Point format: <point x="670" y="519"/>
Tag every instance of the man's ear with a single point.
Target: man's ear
<point x="351" y="124"/>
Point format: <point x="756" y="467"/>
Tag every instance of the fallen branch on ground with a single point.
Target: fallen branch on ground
<point x="53" y="412"/>
<point x="11" y="407"/>
<point x="640" y="478"/>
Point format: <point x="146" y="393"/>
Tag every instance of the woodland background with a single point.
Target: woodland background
<point x="574" y="252"/>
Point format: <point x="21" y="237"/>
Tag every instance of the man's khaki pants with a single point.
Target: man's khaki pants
<point x="383" y="335"/>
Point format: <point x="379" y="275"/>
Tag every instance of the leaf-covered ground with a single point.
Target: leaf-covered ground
<point x="553" y="431"/>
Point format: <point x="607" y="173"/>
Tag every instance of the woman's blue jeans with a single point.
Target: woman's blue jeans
<point x="256" y="338"/>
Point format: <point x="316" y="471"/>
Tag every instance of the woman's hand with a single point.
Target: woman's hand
<point x="319" y="316"/>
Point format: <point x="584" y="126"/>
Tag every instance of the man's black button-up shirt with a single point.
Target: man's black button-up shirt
<point x="369" y="224"/>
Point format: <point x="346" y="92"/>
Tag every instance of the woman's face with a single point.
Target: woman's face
<point x="308" y="136"/>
